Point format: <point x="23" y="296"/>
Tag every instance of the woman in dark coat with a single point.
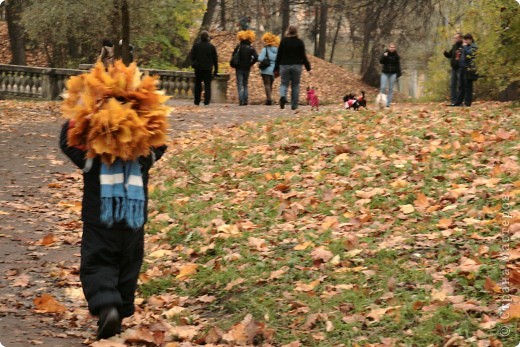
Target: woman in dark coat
<point x="291" y="56"/>
<point x="391" y="71"/>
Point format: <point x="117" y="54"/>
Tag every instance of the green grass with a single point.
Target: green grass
<point x="390" y="259"/>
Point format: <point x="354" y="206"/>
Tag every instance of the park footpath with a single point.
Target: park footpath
<point x="40" y="201"/>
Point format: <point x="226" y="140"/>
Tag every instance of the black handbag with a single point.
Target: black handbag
<point x="264" y="64"/>
<point x="235" y="59"/>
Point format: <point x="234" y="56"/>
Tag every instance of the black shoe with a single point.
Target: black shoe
<point x="268" y="103"/>
<point x="283" y="101"/>
<point x="109" y="323"/>
<point x="294" y="108"/>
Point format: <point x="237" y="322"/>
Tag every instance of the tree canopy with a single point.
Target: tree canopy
<point x="70" y="32"/>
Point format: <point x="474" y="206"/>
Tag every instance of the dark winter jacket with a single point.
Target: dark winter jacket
<point x="454" y="55"/>
<point x="292" y="52"/>
<point x="391" y="63"/>
<point x="91" y="205"/>
<point x="248" y="55"/>
<point x="204" y="57"/>
<point x="467" y="58"/>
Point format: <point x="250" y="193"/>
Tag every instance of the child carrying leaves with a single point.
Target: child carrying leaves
<point x="115" y="132"/>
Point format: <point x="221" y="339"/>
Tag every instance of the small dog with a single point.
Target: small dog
<point x="381" y="101"/>
<point x="351" y="102"/>
<point x="312" y="98"/>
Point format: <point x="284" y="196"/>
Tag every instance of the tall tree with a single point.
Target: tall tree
<point x="15" y="30"/>
<point x="286" y="15"/>
<point x="125" y="32"/>
<point x="335" y="40"/>
<point x="324" y="17"/>
<point x="223" y="14"/>
<point x="207" y="20"/>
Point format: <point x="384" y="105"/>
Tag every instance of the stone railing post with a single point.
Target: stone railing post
<point x="219" y="86"/>
<point x="49" y="85"/>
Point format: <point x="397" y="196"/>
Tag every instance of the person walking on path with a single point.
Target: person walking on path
<point x="111" y="255"/>
<point x="467" y="71"/>
<point x="289" y="60"/>
<point x="454" y="55"/>
<point x="391" y="72"/>
<point x="247" y="57"/>
<point x="204" y="59"/>
<point x="107" y="53"/>
<point x="267" y="61"/>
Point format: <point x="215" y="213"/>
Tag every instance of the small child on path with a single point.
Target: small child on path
<point x="111" y="255"/>
<point x="116" y="131"/>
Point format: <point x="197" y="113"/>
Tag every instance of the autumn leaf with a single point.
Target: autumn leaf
<point x="512" y="313"/>
<point x="407" y="209"/>
<point x="48" y="304"/>
<point x="48" y="240"/>
<point x="445" y="223"/>
<point x="492" y="286"/>
<point x="21" y="280"/>
<point x="138" y="336"/>
<point x="234" y="283"/>
<point x="421" y="202"/>
<point x="186" y="271"/>
<point x="321" y="254"/>
<point x="258" y="244"/>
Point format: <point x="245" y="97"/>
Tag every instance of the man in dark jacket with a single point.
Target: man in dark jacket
<point x="247" y="58"/>
<point x="454" y="56"/>
<point x="111" y="256"/>
<point x="204" y="58"/>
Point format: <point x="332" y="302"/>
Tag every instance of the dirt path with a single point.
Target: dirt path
<point x="39" y="228"/>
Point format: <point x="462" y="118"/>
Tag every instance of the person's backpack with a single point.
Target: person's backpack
<point x="264" y="64"/>
<point x="235" y="59"/>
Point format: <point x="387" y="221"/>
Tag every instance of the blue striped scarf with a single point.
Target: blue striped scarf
<point x="122" y="193"/>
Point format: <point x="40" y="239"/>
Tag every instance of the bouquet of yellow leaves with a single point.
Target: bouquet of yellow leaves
<point x="116" y="113"/>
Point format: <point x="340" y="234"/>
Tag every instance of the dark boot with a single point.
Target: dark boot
<point x="109" y="323"/>
<point x="283" y="101"/>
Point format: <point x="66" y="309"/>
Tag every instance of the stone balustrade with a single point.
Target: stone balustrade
<point x="48" y="83"/>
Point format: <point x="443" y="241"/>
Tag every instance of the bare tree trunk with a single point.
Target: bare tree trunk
<point x="322" y="44"/>
<point x="286" y="15"/>
<point x="116" y="28"/>
<point x="338" y="27"/>
<point x="316" y="29"/>
<point x="223" y="14"/>
<point x="207" y="20"/>
<point x="13" y="10"/>
<point x="125" y="31"/>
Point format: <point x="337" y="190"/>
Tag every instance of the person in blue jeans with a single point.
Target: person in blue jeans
<point x="391" y="71"/>
<point x="454" y="55"/>
<point x="291" y="56"/>
<point x="247" y="58"/>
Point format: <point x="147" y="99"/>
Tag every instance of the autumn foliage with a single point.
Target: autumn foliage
<point x="116" y="113"/>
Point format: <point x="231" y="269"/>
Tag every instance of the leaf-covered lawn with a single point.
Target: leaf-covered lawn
<point x="341" y="229"/>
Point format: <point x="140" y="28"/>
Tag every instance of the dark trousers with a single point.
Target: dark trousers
<point x="465" y="89"/>
<point x="268" y="86"/>
<point x="454" y="85"/>
<point x="111" y="259"/>
<point x="200" y="77"/>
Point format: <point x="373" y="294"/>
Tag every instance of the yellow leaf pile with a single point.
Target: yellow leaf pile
<point x="270" y="39"/>
<point x="248" y="35"/>
<point x="116" y="113"/>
